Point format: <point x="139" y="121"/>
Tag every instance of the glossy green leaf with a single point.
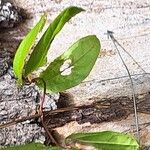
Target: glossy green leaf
<point x="106" y="140"/>
<point x="39" y="54"/>
<point x="24" y="48"/>
<point x="32" y="146"/>
<point x="73" y="66"/>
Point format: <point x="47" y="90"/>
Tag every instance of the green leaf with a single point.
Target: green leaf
<point x="24" y="49"/>
<point x="106" y="140"/>
<point x="32" y="146"/>
<point x="40" y="51"/>
<point x="73" y="66"/>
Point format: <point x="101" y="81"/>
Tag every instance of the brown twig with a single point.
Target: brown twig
<point x="19" y="120"/>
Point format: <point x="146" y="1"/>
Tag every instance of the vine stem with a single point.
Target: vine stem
<point x="115" y="42"/>
<point x="42" y="100"/>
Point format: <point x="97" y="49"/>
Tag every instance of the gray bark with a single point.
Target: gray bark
<point x="18" y="102"/>
<point x="9" y="15"/>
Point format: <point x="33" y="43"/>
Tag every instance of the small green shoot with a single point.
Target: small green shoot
<point x="69" y="69"/>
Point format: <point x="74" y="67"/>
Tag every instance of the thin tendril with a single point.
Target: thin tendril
<point x="110" y="34"/>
